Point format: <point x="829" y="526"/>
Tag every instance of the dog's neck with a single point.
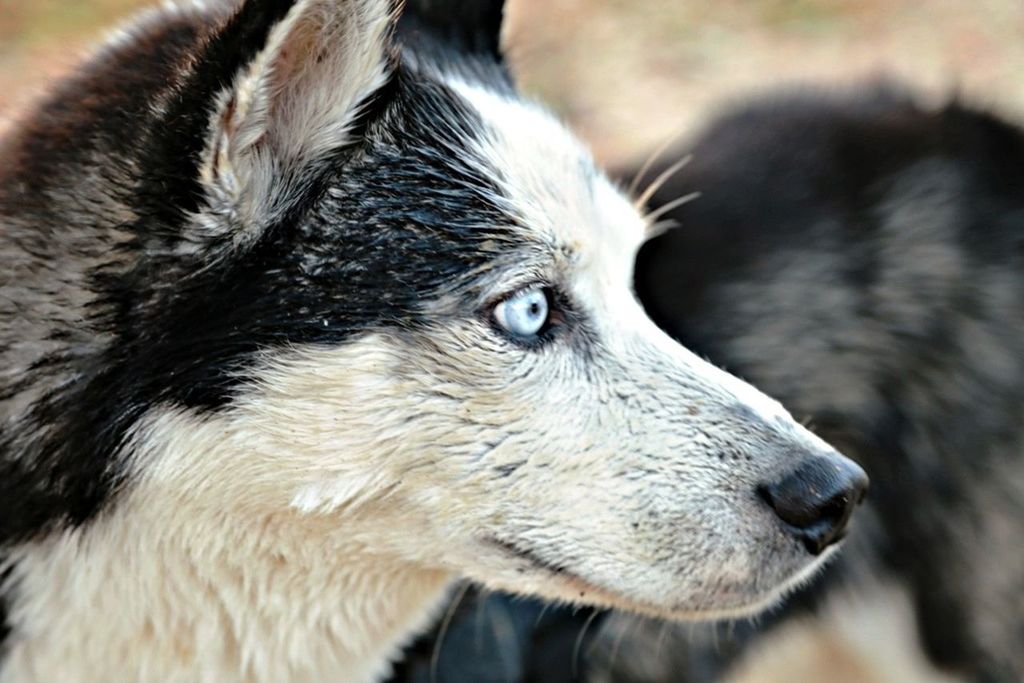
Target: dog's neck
<point x="130" y="598"/>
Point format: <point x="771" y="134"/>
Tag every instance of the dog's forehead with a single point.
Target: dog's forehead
<point x="552" y="183"/>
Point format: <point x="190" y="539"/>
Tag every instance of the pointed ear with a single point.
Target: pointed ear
<point x="291" y="106"/>
<point x="468" y="26"/>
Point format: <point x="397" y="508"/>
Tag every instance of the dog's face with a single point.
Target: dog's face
<point x="410" y="294"/>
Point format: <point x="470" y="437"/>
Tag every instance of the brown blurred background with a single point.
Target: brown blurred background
<point x="629" y="74"/>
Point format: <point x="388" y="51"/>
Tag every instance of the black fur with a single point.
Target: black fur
<point x="376" y="252"/>
<point x="105" y="111"/>
<point x="411" y="222"/>
<point x="468" y="26"/>
<point x="382" y="227"/>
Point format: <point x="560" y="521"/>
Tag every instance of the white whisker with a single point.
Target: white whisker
<point x="435" y="656"/>
<point x="674" y="204"/>
<point x="652" y="157"/>
<point x="579" y="644"/>
<point x="662" y="178"/>
<point x="661" y="227"/>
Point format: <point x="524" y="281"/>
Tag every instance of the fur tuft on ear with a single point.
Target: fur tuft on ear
<point x="292" y="105"/>
<point x="468" y="26"/>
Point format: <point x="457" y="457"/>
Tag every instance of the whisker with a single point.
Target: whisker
<point x="506" y="636"/>
<point x="543" y="610"/>
<point x="482" y="597"/>
<point x="674" y="204"/>
<point x="579" y="644"/>
<point x="661" y="227"/>
<point x="659" y="643"/>
<point x="634" y="624"/>
<point x="662" y="178"/>
<point x="651" y="158"/>
<point x="435" y="656"/>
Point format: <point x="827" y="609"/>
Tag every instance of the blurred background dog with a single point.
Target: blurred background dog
<point x="861" y="257"/>
<point x="854" y="252"/>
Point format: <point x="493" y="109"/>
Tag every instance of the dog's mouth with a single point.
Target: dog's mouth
<point x="590" y="591"/>
<point x="531" y="557"/>
<point x="578" y="583"/>
<point x="576" y="587"/>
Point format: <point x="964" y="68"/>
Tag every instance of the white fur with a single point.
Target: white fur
<point x="576" y="207"/>
<point x="205" y="573"/>
<point x="307" y="530"/>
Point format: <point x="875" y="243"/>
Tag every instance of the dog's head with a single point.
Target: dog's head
<point x="378" y="291"/>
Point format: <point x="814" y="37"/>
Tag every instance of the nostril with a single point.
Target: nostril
<point x="817" y="499"/>
<point x="837" y="508"/>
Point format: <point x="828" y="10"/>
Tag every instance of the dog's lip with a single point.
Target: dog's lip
<point x="609" y="597"/>
<point x="615" y="599"/>
<point x="519" y="552"/>
<point x="579" y="584"/>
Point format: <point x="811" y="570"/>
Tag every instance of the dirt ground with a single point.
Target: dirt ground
<point x="630" y="74"/>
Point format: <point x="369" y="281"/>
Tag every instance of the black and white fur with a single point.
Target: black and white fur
<point x="259" y="407"/>
<point x="859" y="255"/>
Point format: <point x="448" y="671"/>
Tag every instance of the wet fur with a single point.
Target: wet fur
<point x="257" y="411"/>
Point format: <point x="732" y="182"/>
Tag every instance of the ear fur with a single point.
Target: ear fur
<point x="292" y="105"/>
<point x="468" y="26"/>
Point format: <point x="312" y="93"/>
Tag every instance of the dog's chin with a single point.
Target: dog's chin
<point x="562" y="583"/>
<point x="752" y="603"/>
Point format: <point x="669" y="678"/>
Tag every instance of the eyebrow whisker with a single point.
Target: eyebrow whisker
<point x="674" y="204"/>
<point x="662" y="178"/>
<point x="654" y="156"/>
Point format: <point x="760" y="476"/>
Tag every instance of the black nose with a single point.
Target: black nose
<point x="817" y="498"/>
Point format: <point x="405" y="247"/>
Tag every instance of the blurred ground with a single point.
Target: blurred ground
<point x="629" y="74"/>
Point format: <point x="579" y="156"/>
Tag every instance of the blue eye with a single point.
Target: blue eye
<point x="525" y="313"/>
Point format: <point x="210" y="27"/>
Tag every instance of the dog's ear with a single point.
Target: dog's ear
<point x="468" y="26"/>
<point x="302" y="74"/>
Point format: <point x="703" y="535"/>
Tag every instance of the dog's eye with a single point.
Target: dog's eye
<point x="524" y="314"/>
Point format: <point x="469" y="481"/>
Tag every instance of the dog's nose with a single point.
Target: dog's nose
<point x="817" y="498"/>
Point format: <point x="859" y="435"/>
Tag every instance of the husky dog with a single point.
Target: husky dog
<point x="861" y="257"/>
<point x="304" y="315"/>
